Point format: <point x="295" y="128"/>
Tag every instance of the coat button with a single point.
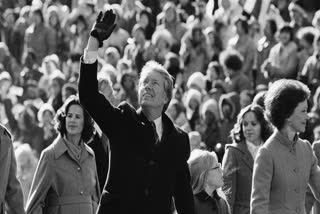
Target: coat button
<point x="78" y="168"/>
<point x="81" y="192"/>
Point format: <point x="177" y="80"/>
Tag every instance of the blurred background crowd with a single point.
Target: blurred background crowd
<point x="223" y="55"/>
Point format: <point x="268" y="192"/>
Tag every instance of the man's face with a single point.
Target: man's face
<point x="151" y="90"/>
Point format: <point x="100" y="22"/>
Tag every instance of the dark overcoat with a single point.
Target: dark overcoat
<point x="144" y="176"/>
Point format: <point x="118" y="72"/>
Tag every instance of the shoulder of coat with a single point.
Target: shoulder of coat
<point x="4" y="132"/>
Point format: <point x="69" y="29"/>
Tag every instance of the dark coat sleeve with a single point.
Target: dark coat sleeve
<point x="10" y="188"/>
<point x="229" y="166"/>
<point x="183" y="192"/>
<point x="108" y="117"/>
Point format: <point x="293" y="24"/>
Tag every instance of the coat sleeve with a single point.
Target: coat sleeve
<point x="229" y="166"/>
<point x="10" y="186"/>
<point x="100" y="109"/>
<point x="261" y="182"/>
<point x="183" y="192"/>
<point x="40" y="186"/>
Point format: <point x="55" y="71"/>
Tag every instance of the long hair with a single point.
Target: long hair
<point x="266" y="130"/>
<point x="200" y="162"/>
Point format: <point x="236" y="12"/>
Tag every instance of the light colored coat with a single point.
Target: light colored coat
<point x="10" y="188"/>
<point x="63" y="185"/>
<point x="282" y="170"/>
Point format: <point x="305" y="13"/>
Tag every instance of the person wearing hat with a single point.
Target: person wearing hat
<point x="298" y="15"/>
<point x="10" y="187"/>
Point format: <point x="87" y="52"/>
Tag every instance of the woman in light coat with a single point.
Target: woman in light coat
<point x="66" y="178"/>
<point x="285" y="165"/>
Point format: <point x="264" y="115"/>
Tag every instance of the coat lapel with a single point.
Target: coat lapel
<point x="247" y="157"/>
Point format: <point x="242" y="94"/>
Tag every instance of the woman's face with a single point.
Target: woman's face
<point x="298" y="119"/>
<point x="53" y="19"/>
<point x="193" y="104"/>
<point x="47" y="117"/>
<point x="161" y="44"/>
<point x="170" y="14"/>
<point x="214" y="177"/>
<point x="284" y="38"/>
<point x="55" y="87"/>
<point x="251" y="128"/>
<point x="144" y="20"/>
<point x="74" y="120"/>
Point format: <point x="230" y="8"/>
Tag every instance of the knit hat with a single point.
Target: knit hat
<point x="212" y="106"/>
<point x="197" y="80"/>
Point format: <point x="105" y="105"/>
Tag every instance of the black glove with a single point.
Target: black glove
<point x="103" y="26"/>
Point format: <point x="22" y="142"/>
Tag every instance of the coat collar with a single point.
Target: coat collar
<point x="60" y="147"/>
<point x="246" y="157"/>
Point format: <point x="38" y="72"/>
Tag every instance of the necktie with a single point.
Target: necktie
<point x="156" y="137"/>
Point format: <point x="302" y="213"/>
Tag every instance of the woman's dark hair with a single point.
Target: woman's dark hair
<point x="237" y="132"/>
<point x="39" y="13"/>
<point x="60" y="119"/>
<point x="287" y="29"/>
<point x="273" y="25"/>
<point x="282" y="98"/>
<point x="244" y="24"/>
<point x="259" y="98"/>
<point x="231" y="59"/>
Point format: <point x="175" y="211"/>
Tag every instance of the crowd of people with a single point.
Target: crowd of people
<point x="245" y="88"/>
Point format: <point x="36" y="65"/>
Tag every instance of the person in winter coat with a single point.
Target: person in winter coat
<point x="66" y="179"/>
<point x="248" y="135"/>
<point x="10" y="187"/>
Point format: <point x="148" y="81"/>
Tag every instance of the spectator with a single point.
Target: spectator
<point x="162" y="41"/>
<point x="195" y="140"/>
<point x="145" y="20"/>
<point x="310" y="74"/>
<point x="236" y="81"/>
<point x="214" y="42"/>
<point x="211" y="122"/>
<point x="206" y="181"/>
<point x="169" y="20"/>
<point x="177" y="113"/>
<point x="248" y="135"/>
<point x="214" y="73"/>
<point x="201" y="17"/>
<point x="283" y="57"/>
<point x="194" y="52"/>
<point x="39" y="36"/>
<point x="264" y="46"/>
<point x="229" y="107"/>
<point x="244" y="44"/>
<point x="298" y="16"/>
<point x="45" y="117"/>
<point x="26" y="167"/>
<point x="306" y="39"/>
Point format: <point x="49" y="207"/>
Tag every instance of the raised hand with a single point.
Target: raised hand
<point x="104" y="26"/>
